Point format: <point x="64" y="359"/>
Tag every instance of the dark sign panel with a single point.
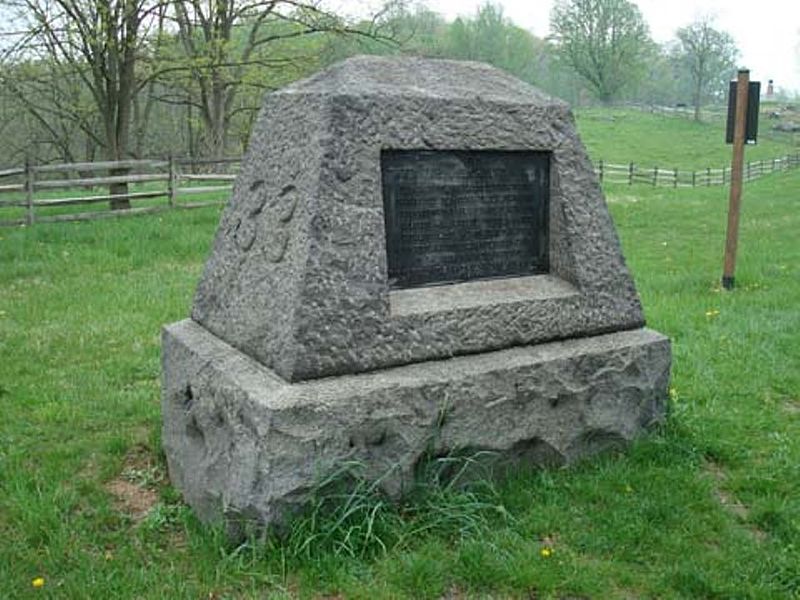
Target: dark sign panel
<point x="753" y="106"/>
<point x="458" y="215"/>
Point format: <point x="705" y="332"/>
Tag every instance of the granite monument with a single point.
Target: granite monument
<point x="416" y="260"/>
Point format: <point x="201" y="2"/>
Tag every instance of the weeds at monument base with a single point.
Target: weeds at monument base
<point x="348" y="515"/>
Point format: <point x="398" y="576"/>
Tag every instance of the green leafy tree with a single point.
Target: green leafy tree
<point x="605" y="41"/>
<point x="710" y="56"/>
<point x="491" y="37"/>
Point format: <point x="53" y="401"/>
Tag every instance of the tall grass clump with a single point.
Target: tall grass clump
<point x="350" y="516"/>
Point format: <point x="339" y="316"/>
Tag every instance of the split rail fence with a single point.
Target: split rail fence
<point x="30" y="191"/>
<point x="34" y="190"/>
<point x="633" y="173"/>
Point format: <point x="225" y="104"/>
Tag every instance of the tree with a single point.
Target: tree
<point x="412" y="29"/>
<point x="604" y="41"/>
<point x="54" y="110"/>
<point x="491" y="37"/>
<point x="97" y="42"/>
<point x="227" y="46"/>
<point x="709" y="55"/>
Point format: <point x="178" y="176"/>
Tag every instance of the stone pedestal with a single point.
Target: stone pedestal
<point x="243" y="443"/>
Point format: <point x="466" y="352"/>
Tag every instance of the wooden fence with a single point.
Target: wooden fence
<point x="633" y="173"/>
<point x="715" y="111"/>
<point x="30" y="188"/>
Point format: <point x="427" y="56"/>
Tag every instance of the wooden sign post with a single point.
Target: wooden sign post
<point x="739" y="108"/>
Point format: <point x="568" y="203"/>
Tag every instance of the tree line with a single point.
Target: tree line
<point x="114" y="79"/>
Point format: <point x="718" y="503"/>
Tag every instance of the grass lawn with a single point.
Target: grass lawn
<point x="621" y="136"/>
<point x="707" y="507"/>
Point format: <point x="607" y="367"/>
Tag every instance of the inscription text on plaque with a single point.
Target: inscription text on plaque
<point x="458" y="215"/>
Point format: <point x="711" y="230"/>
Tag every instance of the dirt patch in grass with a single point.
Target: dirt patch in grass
<point x="724" y="497"/>
<point x="135" y="488"/>
<point x="454" y="593"/>
<point x="792" y="406"/>
<point x="729" y="501"/>
<point x="131" y="499"/>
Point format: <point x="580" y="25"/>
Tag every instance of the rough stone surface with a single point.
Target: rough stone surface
<point x="298" y="275"/>
<point x="244" y="443"/>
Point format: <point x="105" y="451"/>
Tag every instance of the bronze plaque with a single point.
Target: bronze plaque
<point x="459" y="215"/>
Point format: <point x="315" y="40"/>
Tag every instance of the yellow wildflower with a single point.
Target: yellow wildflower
<point x="545" y="552"/>
<point x="38" y="582"/>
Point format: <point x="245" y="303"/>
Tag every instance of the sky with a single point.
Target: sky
<point x="767" y="32"/>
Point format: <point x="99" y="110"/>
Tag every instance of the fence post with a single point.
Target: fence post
<point x="708" y="177"/>
<point x="655" y="176"/>
<point x="600" y="166"/>
<point x="630" y="174"/>
<point x="748" y="171"/>
<point x="171" y="181"/>
<point x="29" y="187"/>
<point x="694" y="178"/>
<point x="675" y="177"/>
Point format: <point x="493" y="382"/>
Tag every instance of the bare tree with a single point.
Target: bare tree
<point x="229" y="46"/>
<point x="97" y="42"/>
<point x="57" y="109"/>
<point x="710" y="56"/>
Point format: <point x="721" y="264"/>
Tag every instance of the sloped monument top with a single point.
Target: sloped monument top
<point x="408" y="76"/>
<point x="312" y="276"/>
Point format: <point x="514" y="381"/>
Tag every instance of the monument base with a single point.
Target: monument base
<point x="242" y="443"/>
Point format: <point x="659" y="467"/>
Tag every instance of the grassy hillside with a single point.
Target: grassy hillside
<point x="708" y="506"/>
<point x="668" y="141"/>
